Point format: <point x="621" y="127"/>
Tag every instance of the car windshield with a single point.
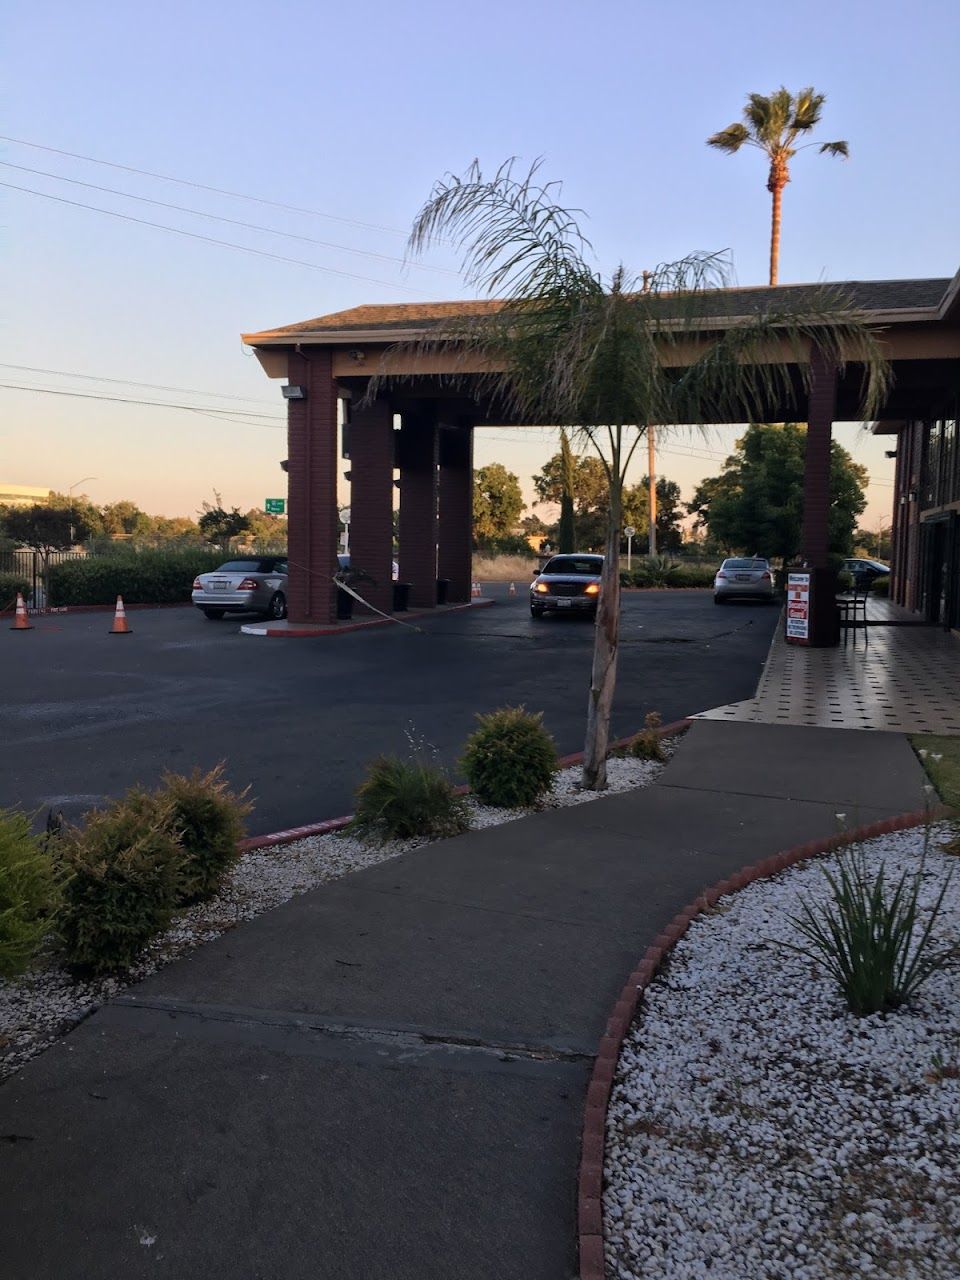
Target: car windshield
<point x="589" y="565"/>
<point x="248" y="566"/>
<point x="744" y="564"/>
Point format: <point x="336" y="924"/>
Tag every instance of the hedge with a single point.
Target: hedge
<point x="141" y="577"/>
<point x="10" y="584"/>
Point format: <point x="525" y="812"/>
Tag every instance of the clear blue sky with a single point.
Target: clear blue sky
<point x="354" y="111"/>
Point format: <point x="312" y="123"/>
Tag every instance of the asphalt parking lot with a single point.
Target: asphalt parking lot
<point x="85" y="715"/>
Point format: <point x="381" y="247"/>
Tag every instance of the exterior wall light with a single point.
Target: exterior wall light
<point x="291" y="392"/>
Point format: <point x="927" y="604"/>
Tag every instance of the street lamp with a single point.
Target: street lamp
<point x="70" y="496"/>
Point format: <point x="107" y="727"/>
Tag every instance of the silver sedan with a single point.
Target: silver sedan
<point x="742" y="579"/>
<point x="249" y="584"/>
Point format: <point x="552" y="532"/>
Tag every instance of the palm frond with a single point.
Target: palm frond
<point x="836" y="149"/>
<point x="730" y="139"/>
<point x="807" y="106"/>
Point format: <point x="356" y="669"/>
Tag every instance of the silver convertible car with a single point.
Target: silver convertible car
<point x="567" y="584"/>
<point x="248" y="584"/>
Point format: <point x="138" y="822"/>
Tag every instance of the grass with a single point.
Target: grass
<point x="942" y="763"/>
<point x="504" y="568"/>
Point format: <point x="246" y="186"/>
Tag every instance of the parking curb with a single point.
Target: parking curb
<point x="593" y="1134"/>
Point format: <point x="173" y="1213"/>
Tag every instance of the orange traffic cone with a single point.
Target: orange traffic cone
<point x="21" y="622"/>
<point x="512" y="589"/>
<point x="119" y="627"/>
<point x="475" y="590"/>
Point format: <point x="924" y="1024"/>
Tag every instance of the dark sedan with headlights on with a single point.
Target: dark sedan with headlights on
<point x="567" y="584"/>
<point x="246" y="584"/>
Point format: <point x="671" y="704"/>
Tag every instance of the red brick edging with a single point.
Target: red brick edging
<point x="590" y="1181"/>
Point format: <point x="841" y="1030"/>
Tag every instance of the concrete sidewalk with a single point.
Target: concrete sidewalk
<point x="385" y="1077"/>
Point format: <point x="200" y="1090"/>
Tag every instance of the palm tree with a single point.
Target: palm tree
<point x="601" y="358"/>
<point x="566" y="533"/>
<point x="773" y="124"/>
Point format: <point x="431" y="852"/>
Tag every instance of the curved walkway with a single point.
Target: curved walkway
<point x="385" y="1078"/>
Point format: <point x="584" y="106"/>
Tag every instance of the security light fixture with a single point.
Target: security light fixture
<point x="890" y="453"/>
<point x="292" y="392"/>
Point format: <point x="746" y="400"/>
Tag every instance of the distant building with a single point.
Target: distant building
<point x="22" y="495"/>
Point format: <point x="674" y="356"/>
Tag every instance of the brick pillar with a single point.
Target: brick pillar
<point x="418" y="506"/>
<point x="816" y="475"/>
<point x="455" y="535"/>
<point x="371" y="499"/>
<point x="312" y="488"/>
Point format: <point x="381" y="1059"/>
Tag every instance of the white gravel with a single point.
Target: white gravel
<point x="47" y="1002"/>
<point x="758" y="1131"/>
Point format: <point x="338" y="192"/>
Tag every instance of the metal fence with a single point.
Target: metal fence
<point x="29" y="565"/>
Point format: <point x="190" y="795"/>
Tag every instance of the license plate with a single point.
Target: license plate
<point x="219" y="584"/>
<point x="564" y="604"/>
<point x="743" y="577"/>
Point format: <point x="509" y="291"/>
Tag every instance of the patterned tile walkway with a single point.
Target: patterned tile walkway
<point x="904" y="679"/>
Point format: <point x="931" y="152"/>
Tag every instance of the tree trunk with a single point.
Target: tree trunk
<point x="566" y="534"/>
<point x="606" y="639"/>
<point x="777" y="192"/>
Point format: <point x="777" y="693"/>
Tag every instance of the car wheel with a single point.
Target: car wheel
<point x="277" y="608"/>
<point x="535" y="613"/>
<point x="214" y="614"/>
<point x="719" y="600"/>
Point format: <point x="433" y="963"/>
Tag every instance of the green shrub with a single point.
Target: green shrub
<point x="871" y="942"/>
<point x="122" y="867"/>
<point x="880" y="585"/>
<point x="141" y="577"/>
<point x="656" y="571"/>
<point x="209" y="821"/>
<point x="399" y="799"/>
<point x="509" y="760"/>
<point x="28" y="893"/>
<point x="647" y="744"/>
<point x="692" y="575"/>
<point x="10" y="584"/>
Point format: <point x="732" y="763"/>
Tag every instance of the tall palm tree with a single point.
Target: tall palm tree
<point x="601" y="358"/>
<point x="773" y="124"/>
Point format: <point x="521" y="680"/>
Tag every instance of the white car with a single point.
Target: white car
<point x="743" y="578"/>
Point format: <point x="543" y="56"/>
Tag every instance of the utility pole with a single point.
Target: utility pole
<point x="651" y="460"/>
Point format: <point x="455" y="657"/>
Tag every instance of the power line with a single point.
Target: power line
<point x="237" y="416"/>
<point x="195" y="235"/>
<point x="233" y="222"/>
<point x="131" y="382"/>
<point x="201" y="186"/>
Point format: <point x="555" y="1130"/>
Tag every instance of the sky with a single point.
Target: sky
<point x="350" y="114"/>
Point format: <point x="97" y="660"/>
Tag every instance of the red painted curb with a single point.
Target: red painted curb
<point x="590" y="1176"/>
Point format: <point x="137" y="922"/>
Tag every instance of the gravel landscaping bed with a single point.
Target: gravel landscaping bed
<point x="759" y="1131"/>
<point x="47" y="1002"/>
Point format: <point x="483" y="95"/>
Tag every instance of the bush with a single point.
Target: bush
<point x="872" y="944"/>
<point x="141" y="577"/>
<point x="656" y="571"/>
<point x="399" y="799"/>
<point x="511" y="545"/>
<point x="123" y="870"/>
<point x="28" y="893"/>
<point x="209" y="822"/>
<point x="880" y="585"/>
<point x="510" y="759"/>
<point x="10" y="584"/>
<point x="647" y="744"/>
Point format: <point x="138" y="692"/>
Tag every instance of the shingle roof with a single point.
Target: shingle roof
<point x="864" y="295"/>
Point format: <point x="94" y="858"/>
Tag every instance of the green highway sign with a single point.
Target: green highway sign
<point x="275" y="506"/>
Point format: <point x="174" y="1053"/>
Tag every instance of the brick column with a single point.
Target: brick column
<point x="816" y="475"/>
<point x="418" y="506"/>
<point x="455" y="534"/>
<point x="371" y="499"/>
<point x="312" y="488"/>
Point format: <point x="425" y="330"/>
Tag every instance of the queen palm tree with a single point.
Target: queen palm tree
<point x="773" y="124"/>
<point x="565" y="347"/>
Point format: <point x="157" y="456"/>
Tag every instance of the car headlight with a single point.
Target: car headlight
<point x="541" y="587"/>
<point x="592" y="589"/>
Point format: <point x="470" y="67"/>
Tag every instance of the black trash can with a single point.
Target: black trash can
<point x="401" y="597"/>
<point x="344" y="604"/>
<point x="443" y="588"/>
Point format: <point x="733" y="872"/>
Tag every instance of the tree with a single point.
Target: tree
<point x="497" y="503"/>
<point x="582" y="484"/>
<point x="124" y="518"/>
<point x="756" y="505"/>
<point x="566" y="347"/>
<point x="44" y="528"/>
<point x="567" y="531"/>
<point x="266" y="528"/>
<point x="773" y="124"/>
<point x="218" y="526"/>
<point x="636" y="511"/>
